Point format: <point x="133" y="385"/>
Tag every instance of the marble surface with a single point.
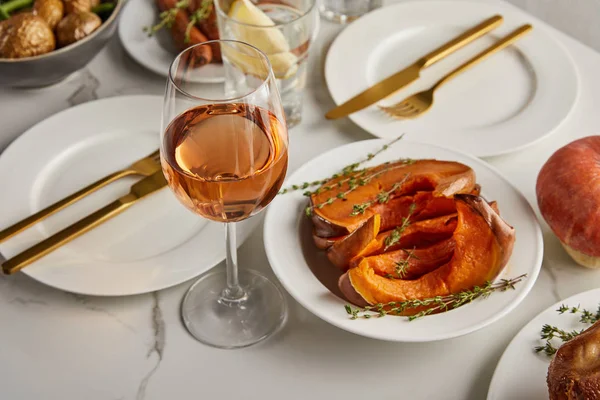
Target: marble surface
<point x="57" y="345"/>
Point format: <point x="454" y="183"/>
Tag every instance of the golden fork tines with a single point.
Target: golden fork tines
<point x="419" y="103"/>
<point x="145" y="167"/>
<point x="138" y="191"/>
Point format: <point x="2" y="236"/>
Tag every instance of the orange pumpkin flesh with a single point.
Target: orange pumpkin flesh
<point x="366" y="241"/>
<point x="418" y="234"/>
<point x="483" y="245"/>
<point x="420" y="261"/>
<point x="440" y="178"/>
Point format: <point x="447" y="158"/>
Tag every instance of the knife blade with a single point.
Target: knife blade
<point x="401" y="79"/>
<point x="138" y="191"/>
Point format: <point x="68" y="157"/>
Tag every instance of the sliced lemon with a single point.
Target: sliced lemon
<point x="270" y="40"/>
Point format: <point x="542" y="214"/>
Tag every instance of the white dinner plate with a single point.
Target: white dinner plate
<point x="309" y="277"/>
<point x="521" y="372"/>
<point x="157" y="52"/>
<point x="155" y="244"/>
<point x="507" y="102"/>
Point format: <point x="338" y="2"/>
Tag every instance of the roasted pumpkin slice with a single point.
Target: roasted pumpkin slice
<point x="483" y="245"/>
<point x="409" y="264"/>
<point x="418" y="234"/>
<point x="366" y="241"/>
<point x="442" y="178"/>
<point x="352" y="245"/>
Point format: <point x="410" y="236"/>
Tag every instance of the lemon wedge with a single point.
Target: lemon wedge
<point x="270" y="40"/>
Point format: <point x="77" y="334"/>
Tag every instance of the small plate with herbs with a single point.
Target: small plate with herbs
<point x="403" y="241"/>
<point x="153" y="32"/>
<point x="554" y="355"/>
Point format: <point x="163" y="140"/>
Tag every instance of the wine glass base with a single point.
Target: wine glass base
<point x="233" y="324"/>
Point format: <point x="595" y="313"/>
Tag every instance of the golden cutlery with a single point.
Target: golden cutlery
<point x="139" y="190"/>
<point x="419" y="103"/>
<point x="145" y="166"/>
<point x="393" y="83"/>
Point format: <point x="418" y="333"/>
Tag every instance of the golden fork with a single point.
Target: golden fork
<point x="419" y="103"/>
<point x="138" y="191"/>
<point x="145" y="167"/>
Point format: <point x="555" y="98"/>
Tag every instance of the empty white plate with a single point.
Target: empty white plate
<point x="311" y="279"/>
<point x="157" y="52"/>
<point x="155" y="244"/>
<point x="521" y="373"/>
<point x="509" y="101"/>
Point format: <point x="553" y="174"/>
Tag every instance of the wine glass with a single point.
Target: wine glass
<point x="224" y="152"/>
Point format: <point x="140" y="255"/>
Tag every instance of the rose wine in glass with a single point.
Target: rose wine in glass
<point x="225" y="156"/>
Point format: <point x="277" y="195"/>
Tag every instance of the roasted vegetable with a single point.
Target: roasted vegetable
<point x="51" y="11"/>
<point x="355" y="244"/>
<point x="185" y="34"/>
<point x="26" y="35"/>
<point x="75" y="27"/>
<point x="483" y="244"/>
<point x="419" y="234"/>
<point x="78" y="6"/>
<point x="104" y="10"/>
<point x="441" y="179"/>
<point x="410" y="263"/>
<point x="574" y="373"/>
<point x="207" y="22"/>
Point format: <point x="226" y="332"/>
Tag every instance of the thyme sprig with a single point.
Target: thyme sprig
<point x="434" y="304"/>
<point x="347" y="171"/>
<point x="397" y="233"/>
<point x="401" y="267"/>
<point x="550" y="332"/>
<point x="381" y="198"/>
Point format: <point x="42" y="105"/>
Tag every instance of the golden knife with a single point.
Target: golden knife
<point x="145" y="167"/>
<point x="138" y="191"/>
<point x="409" y="74"/>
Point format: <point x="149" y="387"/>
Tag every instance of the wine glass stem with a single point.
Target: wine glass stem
<point x="233" y="291"/>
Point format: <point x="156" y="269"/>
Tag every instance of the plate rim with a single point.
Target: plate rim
<point x="12" y="151"/>
<point x="527" y="284"/>
<point x="499" y="7"/>
<point x="552" y="308"/>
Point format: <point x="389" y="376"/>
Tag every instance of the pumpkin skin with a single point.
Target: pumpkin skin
<point x="439" y="178"/>
<point x="483" y="244"/>
<point x="325" y="243"/>
<point x="568" y="196"/>
<point x="355" y="243"/>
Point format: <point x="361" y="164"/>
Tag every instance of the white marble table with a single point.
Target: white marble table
<point x="57" y="345"/>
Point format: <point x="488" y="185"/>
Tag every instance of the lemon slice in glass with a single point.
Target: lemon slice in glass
<point x="254" y="29"/>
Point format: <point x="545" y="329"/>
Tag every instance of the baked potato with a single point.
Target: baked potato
<point x="75" y="27"/>
<point x="77" y="6"/>
<point x="26" y="35"/>
<point x="51" y="11"/>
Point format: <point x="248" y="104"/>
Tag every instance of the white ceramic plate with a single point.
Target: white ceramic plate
<point x="307" y="274"/>
<point x="521" y="373"/>
<point x="153" y="245"/>
<point x="155" y="53"/>
<point x="507" y="102"/>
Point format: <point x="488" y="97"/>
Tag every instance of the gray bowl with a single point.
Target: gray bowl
<point x="53" y="67"/>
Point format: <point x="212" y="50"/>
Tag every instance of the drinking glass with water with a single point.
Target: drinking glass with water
<point x="283" y="30"/>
